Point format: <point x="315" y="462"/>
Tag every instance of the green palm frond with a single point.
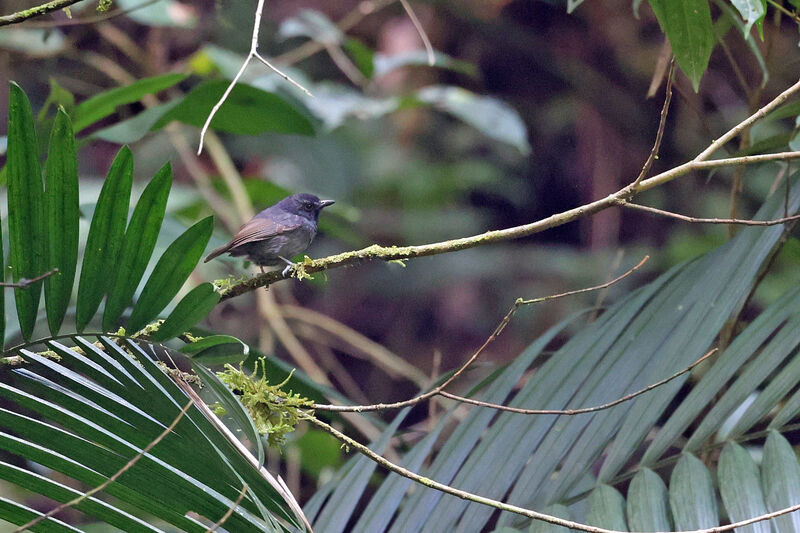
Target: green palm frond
<point x="85" y="411"/>
<point x="584" y="462"/>
<point x="44" y="236"/>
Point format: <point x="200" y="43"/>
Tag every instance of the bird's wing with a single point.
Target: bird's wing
<point x="259" y="229"/>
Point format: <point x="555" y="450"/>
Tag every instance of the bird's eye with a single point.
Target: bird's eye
<point x="308" y="206"/>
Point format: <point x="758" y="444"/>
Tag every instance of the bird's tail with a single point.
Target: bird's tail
<point x="217" y="252"/>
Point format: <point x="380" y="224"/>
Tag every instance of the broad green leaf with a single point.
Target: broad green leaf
<point x="752" y="11"/>
<point x="217" y="350"/>
<point x="134" y="128"/>
<point x="105" y="237"/>
<point x="687" y="24"/>
<point x="246" y="111"/>
<point x="691" y="495"/>
<point x="190" y="310"/>
<point x="104" y="104"/>
<point x="780" y="479"/>
<point x="362" y="56"/>
<point x="63" y="217"/>
<point x="648" y="503"/>
<point x="490" y="116"/>
<point x="740" y="488"/>
<point x="137" y="246"/>
<point x="606" y="508"/>
<point x="26" y="233"/>
<point x="171" y="271"/>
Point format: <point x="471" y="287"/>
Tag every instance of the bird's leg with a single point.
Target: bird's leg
<point x="266" y="288"/>
<point x="289" y="266"/>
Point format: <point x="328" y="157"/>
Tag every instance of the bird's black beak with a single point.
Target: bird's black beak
<point x="325" y="203"/>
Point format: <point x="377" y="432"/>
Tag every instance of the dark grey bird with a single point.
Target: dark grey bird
<point x="277" y="233"/>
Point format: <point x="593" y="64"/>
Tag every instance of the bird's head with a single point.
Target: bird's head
<point x="304" y="205"/>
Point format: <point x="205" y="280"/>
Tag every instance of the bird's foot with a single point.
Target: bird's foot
<point x="289" y="266"/>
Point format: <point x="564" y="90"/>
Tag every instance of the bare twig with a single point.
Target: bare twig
<point x="662" y="124"/>
<point x="499" y="329"/>
<point x="697" y="220"/>
<point x="25" y="14"/>
<point x="421" y="31"/>
<point x="605" y="285"/>
<point x="583" y="410"/>
<point x="252" y="54"/>
<point x="113" y="478"/>
<point x="229" y="512"/>
<point x="464" y="495"/>
<point x="25" y="283"/>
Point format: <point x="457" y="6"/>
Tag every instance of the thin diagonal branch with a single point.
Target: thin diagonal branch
<point x="662" y="125"/>
<point x="252" y="54"/>
<point x="499" y="329"/>
<point x="421" y="31"/>
<point x="697" y="220"/>
<point x="571" y="412"/>
<point x="113" y="478"/>
<point x="746" y="123"/>
<point x="25" y="14"/>
<point x="229" y="512"/>
<point x="25" y="283"/>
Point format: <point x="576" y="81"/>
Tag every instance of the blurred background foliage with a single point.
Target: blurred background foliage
<point x="528" y="111"/>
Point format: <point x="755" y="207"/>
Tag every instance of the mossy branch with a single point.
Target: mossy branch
<point x="402" y="253"/>
<point x="43" y="9"/>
